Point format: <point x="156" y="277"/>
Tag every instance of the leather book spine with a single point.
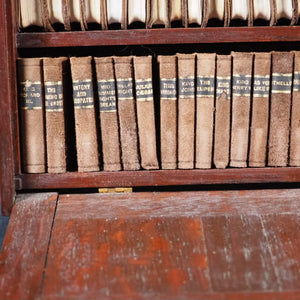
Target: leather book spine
<point x="205" y="108"/>
<point x="145" y="111"/>
<point x="294" y="159"/>
<point x="127" y="113"/>
<point x="32" y="122"/>
<point x="281" y="90"/>
<point x="84" y="113"/>
<point x="109" y="124"/>
<point x="186" y="111"/>
<point x="240" y="115"/>
<point x="168" y="111"/>
<point x="222" y="111"/>
<point x="54" y="114"/>
<point x="260" y="110"/>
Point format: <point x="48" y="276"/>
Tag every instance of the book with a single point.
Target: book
<point x="115" y="12"/>
<point x="284" y="9"/>
<point x="222" y="111"/>
<point x="194" y="12"/>
<point x="145" y="111"/>
<point x="215" y="9"/>
<point x="127" y="113"/>
<point x="261" y="10"/>
<point x="32" y="123"/>
<point x="281" y="88"/>
<point x="109" y="124"/>
<point x="168" y="110"/>
<point x="205" y="108"/>
<point x="294" y="159"/>
<point x="159" y="13"/>
<point x="175" y="12"/>
<point x="54" y="113"/>
<point x="260" y="110"/>
<point x="186" y="110"/>
<point x="239" y="9"/>
<point x="84" y="114"/>
<point x="240" y="115"/>
<point x="136" y="11"/>
<point x="30" y="13"/>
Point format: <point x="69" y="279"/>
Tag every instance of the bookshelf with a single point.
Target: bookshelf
<point x="13" y="43"/>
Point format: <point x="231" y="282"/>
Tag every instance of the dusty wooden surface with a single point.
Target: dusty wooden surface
<point x="25" y="246"/>
<point x="165" y="245"/>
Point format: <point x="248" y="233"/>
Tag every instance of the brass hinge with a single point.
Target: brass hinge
<point x="115" y="190"/>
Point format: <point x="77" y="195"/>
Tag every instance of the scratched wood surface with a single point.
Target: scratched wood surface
<point x="175" y="245"/>
<point x="25" y="246"/>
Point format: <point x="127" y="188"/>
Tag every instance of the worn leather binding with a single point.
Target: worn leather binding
<point x="260" y="110"/>
<point x="54" y="88"/>
<point x="240" y="115"/>
<point x="145" y="111"/>
<point x="32" y="123"/>
<point x="222" y="113"/>
<point x="294" y="159"/>
<point x="205" y="107"/>
<point x="84" y="112"/>
<point x="127" y="113"/>
<point x="168" y="111"/>
<point x="103" y="9"/>
<point x="186" y="110"/>
<point x="175" y="10"/>
<point x="109" y="124"/>
<point x="281" y="88"/>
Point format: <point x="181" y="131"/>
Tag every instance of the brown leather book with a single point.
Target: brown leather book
<point x="168" y="111"/>
<point x="295" y="121"/>
<point x="222" y="112"/>
<point x="260" y="110"/>
<point x="281" y="90"/>
<point x="32" y="123"/>
<point x="205" y="108"/>
<point x="186" y="110"/>
<point x="54" y="113"/>
<point x="145" y="111"/>
<point x="127" y="113"/>
<point x="109" y="124"/>
<point x="240" y="115"/>
<point x="84" y="112"/>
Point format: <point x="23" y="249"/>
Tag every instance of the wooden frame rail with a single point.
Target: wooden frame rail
<point x="158" y="36"/>
<point x="157" y="178"/>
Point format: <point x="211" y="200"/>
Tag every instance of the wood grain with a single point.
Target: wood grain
<point x="175" y="245"/>
<point x="157" y="178"/>
<point x="25" y="246"/>
<point x="8" y="114"/>
<point x="159" y="36"/>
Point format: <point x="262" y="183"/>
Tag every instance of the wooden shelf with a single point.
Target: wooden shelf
<point x="156" y="178"/>
<point x="158" y="36"/>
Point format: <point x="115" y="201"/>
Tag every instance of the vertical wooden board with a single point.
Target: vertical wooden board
<point x="25" y="246"/>
<point x="8" y="115"/>
<point x="128" y="256"/>
<point x="283" y="234"/>
<point x="238" y="254"/>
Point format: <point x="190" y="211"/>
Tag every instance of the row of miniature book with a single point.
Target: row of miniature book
<point x="206" y="111"/>
<point x="95" y="14"/>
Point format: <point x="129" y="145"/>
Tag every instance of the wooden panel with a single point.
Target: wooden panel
<point x="238" y="254"/>
<point x="25" y="246"/>
<point x="174" y="245"/>
<point x="157" y="178"/>
<point x="158" y="36"/>
<point x="283" y="235"/>
<point x="8" y="119"/>
<point x="121" y="255"/>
